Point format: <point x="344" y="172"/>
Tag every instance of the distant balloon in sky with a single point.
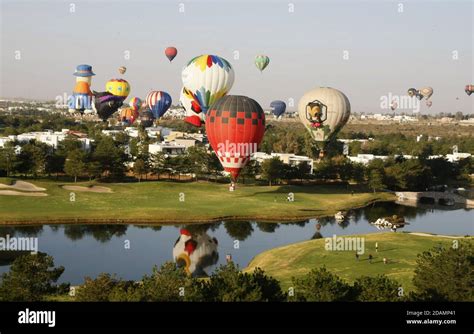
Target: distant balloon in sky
<point x="122" y="69"/>
<point x="262" y="61"/>
<point x="429" y="103"/>
<point x="278" y="108"/>
<point x="426" y="92"/>
<point x="235" y="126"/>
<point x="394" y="105"/>
<point x="135" y="103"/>
<point x="324" y="111"/>
<point x="207" y="78"/>
<point x="469" y="89"/>
<point x="412" y="92"/>
<point x="158" y="102"/>
<point x="118" y="87"/>
<point x="171" y="52"/>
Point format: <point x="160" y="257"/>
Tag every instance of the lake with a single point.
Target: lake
<point x="131" y="251"/>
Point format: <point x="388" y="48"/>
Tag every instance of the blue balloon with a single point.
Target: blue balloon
<point x="278" y="108"/>
<point x="158" y="102"/>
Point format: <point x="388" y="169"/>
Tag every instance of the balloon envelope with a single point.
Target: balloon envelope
<point x="207" y="78"/>
<point x="412" y="92"/>
<point x="194" y="115"/>
<point x="171" y="52"/>
<point x="278" y="108"/>
<point x="469" y="89"/>
<point x="106" y="104"/>
<point x="128" y="115"/>
<point x="118" y="87"/>
<point x="426" y="92"/>
<point x="324" y="111"/>
<point x="235" y="126"/>
<point x="262" y="61"/>
<point x="135" y="103"/>
<point x="158" y="102"/>
<point x="122" y="69"/>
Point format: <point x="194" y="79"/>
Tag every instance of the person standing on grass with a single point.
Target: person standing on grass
<point x="385" y="260"/>
<point x="376" y="247"/>
<point x="357" y="256"/>
<point x="370" y="258"/>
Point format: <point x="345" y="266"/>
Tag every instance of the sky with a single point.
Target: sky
<point x="366" y="49"/>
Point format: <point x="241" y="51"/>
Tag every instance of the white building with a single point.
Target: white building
<point x="49" y="137"/>
<point x="287" y="158"/>
<point x="169" y="148"/>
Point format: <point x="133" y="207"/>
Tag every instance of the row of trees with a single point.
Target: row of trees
<point x="442" y="274"/>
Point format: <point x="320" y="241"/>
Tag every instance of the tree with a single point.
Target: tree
<point x="139" y="168"/>
<point x="8" y="158"/>
<point x="272" y="169"/>
<point x="238" y="230"/>
<point x="446" y="274"/>
<point x="110" y="156"/>
<point x="75" y="165"/>
<point x="320" y="285"/>
<point x="229" y="284"/>
<point x="31" y="278"/>
<point x="376" y="289"/>
<point x="170" y="283"/>
<point x="96" y="290"/>
<point x="376" y="180"/>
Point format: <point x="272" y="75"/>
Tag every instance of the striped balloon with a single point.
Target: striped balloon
<point x="261" y="61"/>
<point x="135" y="103"/>
<point x="158" y="102"/>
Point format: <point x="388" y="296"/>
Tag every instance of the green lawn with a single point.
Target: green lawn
<point x="401" y="249"/>
<point x="160" y="202"/>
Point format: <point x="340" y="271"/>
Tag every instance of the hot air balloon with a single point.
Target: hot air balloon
<point x="207" y="78"/>
<point x="170" y="53"/>
<point x="122" y="69"/>
<point x="118" y="87"/>
<point x="146" y="118"/>
<point x="469" y="89"/>
<point x="412" y="92"/>
<point x="394" y="105"/>
<point x="194" y="116"/>
<point x="158" y="102"/>
<point x="135" y="103"/>
<point x="106" y="104"/>
<point x="278" y="108"/>
<point x="261" y="61"/>
<point x="235" y="126"/>
<point x="128" y="115"/>
<point x="324" y="111"/>
<point x="429" y="103"/>
<point x="426" y="92"/>
<point x="81" y="98"/>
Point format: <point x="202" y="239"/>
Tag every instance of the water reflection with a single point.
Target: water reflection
<point x="101" y="233"/>
<point x="195" y="251"/>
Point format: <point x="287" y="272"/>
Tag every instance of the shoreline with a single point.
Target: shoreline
<point x="127" y="221"/>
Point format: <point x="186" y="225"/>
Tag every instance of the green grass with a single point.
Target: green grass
<point x="401" y="249"/>
<point x="159" y="202"/>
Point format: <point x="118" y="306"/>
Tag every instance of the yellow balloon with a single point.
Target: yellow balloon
<point x="118" y="87"/>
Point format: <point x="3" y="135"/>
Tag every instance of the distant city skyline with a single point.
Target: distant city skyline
<point x="366" y="49"/>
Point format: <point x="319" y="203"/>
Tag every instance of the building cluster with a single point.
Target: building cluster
<point x="365" y="159"/>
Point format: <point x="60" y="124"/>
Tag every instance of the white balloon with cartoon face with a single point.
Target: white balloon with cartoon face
<point x="195" y="251"/>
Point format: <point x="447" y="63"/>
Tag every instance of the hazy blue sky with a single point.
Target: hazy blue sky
<point x="389" y="51"/>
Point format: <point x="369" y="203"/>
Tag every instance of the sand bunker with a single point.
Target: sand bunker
<point x="19" y="193"/>
<point x="93" y="189"/>
<point x="22" y="186"/>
